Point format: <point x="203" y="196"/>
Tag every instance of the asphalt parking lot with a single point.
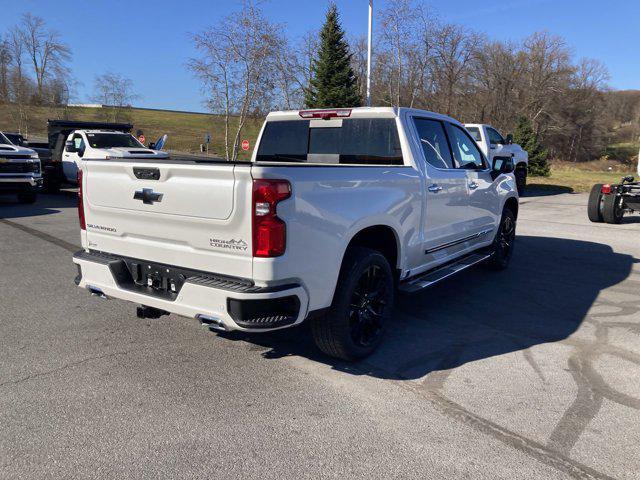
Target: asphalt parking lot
<point x="529" y="373"/>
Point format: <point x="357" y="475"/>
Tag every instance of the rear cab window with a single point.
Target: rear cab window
<point x="342" y="141"/>
<point x="475" y="133"/>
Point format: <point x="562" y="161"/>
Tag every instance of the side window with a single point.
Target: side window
<point x="465" y="150"/>
<point x="434" y="142"/>
<point x="494" y="137"/>
<point x="77" y="142"/>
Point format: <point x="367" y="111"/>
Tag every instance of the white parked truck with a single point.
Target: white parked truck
<point x="20" y="171"/>
<point x="337" y="210"/>
<point x="493" y="144"/>
<point x="104" y="144"/>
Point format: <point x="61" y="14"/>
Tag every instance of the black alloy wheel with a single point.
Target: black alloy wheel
<point x="355" y="324"/>
<point x="503" y="244"/>
<point x="368" y="303"/>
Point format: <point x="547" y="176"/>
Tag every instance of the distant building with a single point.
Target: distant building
<point x="85" y="105"/>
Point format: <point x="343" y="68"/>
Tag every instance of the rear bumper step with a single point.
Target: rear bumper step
<point x="234" y="303"/>
<point x="432" y="277"/>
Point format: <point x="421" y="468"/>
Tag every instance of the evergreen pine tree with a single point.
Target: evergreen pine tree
<point x="527" y="139"/>
<point x="333" y="83"/>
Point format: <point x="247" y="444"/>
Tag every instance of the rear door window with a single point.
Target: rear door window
<point x="434" y="142"/>
<point x="354" y="141"/>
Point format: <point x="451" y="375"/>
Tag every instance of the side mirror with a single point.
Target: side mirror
<point x="152" y="146"/>
<point x="70" y="147"/>
<point x="509" y="139"/>
<point x="501" y="165"/>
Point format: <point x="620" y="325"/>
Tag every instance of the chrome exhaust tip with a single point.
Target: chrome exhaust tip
<point x="211" y="322"/>
<point x="95" y="291"/>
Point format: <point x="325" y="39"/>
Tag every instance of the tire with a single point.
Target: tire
<point x="27" y="197"/>
<point x="594" y="207"/>
<point x="521" y="179"/>
<point x="611" y="211"/>
<point x="355" y="323"/>
<point x="503" y="244"/>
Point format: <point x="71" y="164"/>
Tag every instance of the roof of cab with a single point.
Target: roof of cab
<point x="364" y="112"/>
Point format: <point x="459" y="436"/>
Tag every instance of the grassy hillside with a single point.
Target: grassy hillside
<point x="579" y="177"/>
<point x="186" y="130"/>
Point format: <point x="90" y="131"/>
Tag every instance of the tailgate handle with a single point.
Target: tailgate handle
<point x="146" y="173"/>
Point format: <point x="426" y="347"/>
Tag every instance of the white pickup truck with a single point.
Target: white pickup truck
<point x="493" y="144"/>
<point x="104" y="144"/>
<point x="20" y="171"/>
<point x="336" y="211"/>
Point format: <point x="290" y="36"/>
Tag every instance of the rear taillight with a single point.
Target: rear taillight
<point x="83" y="224"/>
<point x="606" y="189"/>
<point x="269" y="231"/>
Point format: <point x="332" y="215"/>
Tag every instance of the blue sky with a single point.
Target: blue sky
<point x="148" y="41"/>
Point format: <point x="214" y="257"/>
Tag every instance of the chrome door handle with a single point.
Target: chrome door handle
<point x="434" y="188"/>
<point x="473" y="185"/>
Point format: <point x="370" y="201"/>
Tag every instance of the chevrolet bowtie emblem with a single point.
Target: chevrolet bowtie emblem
<point x="148" y="196"/>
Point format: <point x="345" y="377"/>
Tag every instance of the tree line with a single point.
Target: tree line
<point x="35" y="71"/>
<point x="249" y="66"/>
<point x="33" y="61"/>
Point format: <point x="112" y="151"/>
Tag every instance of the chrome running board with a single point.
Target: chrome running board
<point x="432" y="277"/>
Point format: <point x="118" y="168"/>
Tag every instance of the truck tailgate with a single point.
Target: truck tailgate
<point x="190" y="214"/>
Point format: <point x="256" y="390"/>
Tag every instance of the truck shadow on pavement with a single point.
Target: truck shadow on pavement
<point x="45" y="205"/>
<point x="540" y="190"/>
<point x="543" y="297"/>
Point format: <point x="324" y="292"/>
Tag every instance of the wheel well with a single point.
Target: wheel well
<point x="512" y="204"/>
<point x="380" y="238"/>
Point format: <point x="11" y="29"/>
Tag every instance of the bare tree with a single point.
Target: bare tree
<point x="236" y="67"/>
<point x="289" y="75"/>
<point x="577" y="131"/>
<point x="455" y="48"/>
<point x="115" y="91"/>
<point x="5" y="66"/>
<point x="46" y="52"/>
<point x="405" y="49"/>
<point x="496" y="73"/>
<point x="21" y="86"/>
<point x="16" y="52"/>
<point x="305" y="54"/>
<point x="546" y="72"/>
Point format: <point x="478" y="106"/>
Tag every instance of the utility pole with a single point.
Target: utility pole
<point x="369" y="53"/>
